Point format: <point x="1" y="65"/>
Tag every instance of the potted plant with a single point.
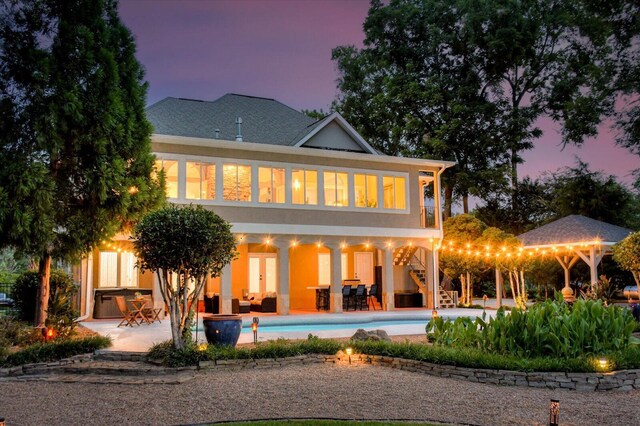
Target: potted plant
<point x="189" y="243"/>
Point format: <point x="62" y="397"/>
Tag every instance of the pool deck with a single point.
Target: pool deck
<point x="141" y="338"/>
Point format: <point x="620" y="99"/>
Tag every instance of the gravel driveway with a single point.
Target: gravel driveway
<point x="317" y="391"/>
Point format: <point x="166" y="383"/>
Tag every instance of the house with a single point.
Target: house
<point x="310" y="201"/>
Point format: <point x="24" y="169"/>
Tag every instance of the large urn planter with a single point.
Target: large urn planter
<point x="222" y="329"/>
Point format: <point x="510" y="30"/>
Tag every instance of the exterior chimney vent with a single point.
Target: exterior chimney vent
<point x="239" y="126"/>
<point x="216" y="133"/>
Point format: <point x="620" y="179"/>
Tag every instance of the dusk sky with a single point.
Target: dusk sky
<point x="281" y="49"/>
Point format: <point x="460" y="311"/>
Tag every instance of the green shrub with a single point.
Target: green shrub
<point x="60" y="315"/>
<point x="281" y="348"/>
<point x="14" y="332"/>
<point x="552" y="328"/>
<point x="55" y="350"/>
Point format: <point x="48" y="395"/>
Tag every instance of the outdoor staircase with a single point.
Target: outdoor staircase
<point x="418" y="274"/>
<point x="404" y="255"/>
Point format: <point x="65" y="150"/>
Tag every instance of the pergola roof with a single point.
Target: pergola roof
<point x="574" y="229"/>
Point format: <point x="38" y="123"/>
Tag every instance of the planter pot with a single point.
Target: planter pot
<point x="222" y="329"/>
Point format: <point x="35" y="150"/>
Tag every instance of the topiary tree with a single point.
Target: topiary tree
<point x="182" y="246"/>
<point x="627" y="254"/>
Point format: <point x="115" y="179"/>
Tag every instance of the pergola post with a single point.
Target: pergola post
<point x="498" y="287"/>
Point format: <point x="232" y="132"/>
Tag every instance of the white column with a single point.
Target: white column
<point x="89" y="299"/>
<point x="283" y="280"/>
<point x="436" y="278"/>
<point x="335" y="291"/>
<point x="225" y="290"/>
<point x="387" y="280"/>
<point x="593" y="266"/>
<point x="498" y="287"/>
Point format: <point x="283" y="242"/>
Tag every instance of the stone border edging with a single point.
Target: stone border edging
<point x="623" y="380"/>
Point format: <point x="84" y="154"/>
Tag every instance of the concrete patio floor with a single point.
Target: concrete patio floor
<point x="296" y="326"/>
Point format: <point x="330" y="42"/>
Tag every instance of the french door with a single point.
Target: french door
<point x="364" y="267"/>
<point x="262" y="272"/>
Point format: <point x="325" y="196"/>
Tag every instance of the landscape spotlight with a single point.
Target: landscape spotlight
<point x="349" y="352"/>
<point x="434" y="314"/>
<point x="254" y="328"/>
<point x="554" y="412"/>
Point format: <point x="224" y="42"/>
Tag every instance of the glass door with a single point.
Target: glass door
<point x="262" y="272"/>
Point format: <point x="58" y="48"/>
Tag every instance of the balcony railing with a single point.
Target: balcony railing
<point x="427" y="217"/>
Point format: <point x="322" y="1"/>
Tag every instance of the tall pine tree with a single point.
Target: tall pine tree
<point x="75" y="153"/>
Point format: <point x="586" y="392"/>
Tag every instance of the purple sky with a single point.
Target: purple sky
<point x="282" y="49"/>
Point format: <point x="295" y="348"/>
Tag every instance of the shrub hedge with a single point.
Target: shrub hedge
<point x="55" y="350"/>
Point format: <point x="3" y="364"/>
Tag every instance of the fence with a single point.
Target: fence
<point x="6" y="303"/>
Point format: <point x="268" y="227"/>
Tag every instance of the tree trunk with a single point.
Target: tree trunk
<point x="448" y="200"/>
<point x="42" y="300"/>
<point x="465" y="203"/>
<point x="469" y="289"/>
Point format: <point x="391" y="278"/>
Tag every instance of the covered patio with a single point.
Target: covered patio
<point x="574" y="238"/>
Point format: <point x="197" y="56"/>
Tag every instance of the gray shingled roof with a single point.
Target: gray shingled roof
<point x="263" y="120"/>
<point x="573" y="229"/>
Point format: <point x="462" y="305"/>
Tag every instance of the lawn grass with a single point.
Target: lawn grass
<point x="315" y="422"/>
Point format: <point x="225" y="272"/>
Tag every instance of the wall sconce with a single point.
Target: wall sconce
<point x="254" y="328"/>
<point x="554" y="412"/>
<point x="349" y="352"/>
<point x="434" y="314"/>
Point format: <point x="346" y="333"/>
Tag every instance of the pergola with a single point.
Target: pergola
<point x="573" y="238"/>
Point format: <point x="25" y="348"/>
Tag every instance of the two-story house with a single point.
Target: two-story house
<point x="310" y="201"/>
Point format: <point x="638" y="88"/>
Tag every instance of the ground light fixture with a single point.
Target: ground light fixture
<point x="434" y="314"/>
<point x="349" y="351"/>
<point x="254" y="328"/>
<point x="48" y="333"/>
<point x="554" y="412"/>
<point x="603" y="363"/>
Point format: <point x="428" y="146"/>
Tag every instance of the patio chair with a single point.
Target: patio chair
<point x="346" y="297"/>
<point x="129" y="315"/>
<point x="360" y="299"/>
<point x="372" y="297"/>
<point x="150" y="311"/>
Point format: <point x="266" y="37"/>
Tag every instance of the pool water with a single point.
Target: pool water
<point x="325" y="327"/>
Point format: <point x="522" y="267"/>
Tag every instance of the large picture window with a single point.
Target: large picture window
<point x="336" y="189"/>
<point x="237" y="182"/>
<point x="170" y="168"/>
<point x="366" y="190"/>
<point x="304" y="187"/>
<point x="117" y="269"/>
<point x="271" y="185"/>
<point x="394" y="192"/>
<point x="201" y="181"/>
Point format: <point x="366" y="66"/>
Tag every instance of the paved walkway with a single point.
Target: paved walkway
<point x="299" y="391"/>
<point x="412" y="322"/>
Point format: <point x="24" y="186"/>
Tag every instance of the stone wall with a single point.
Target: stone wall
<point x="624" y="380"/>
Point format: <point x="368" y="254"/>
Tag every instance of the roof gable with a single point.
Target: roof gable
<point x="333" y="132"/>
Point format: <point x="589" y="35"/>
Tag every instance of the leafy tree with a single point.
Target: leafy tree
<point x="459" y="232"/>
<point x="75" y="141"/>
<point x="415" y="90"/>
<point x="627" y="254"/>
<point x="315" y="114"/>
<point x="466" y="81"/>
<point x="578" y="190"/>
<point x="182" y="246"/>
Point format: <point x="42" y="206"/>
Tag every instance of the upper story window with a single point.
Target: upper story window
<point x="271" y="185"/>
<point x="201" y="181"/>
<point x="170" y="168"/>
<point x="237" y="182"/>
<point x="304" y="187"/>
<point x="336" y="189"/>
<point x="366" y="190"/>
<point x="394" y="192"/>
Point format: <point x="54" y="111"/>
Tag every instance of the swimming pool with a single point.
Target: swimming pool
<point x="310" y="328"/>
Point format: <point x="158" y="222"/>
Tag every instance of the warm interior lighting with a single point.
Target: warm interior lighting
<point x="366" y="245"/>
<point x="342" y="246"/>
<point x="319" y="244"/>
<point x="267" y="241"/>
<point x="294" y="243"/>
<point x="296" y="184"/>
